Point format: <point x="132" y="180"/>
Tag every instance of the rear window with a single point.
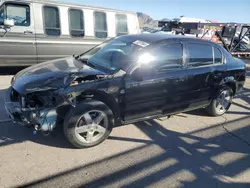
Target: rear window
<point x="52" y="21"/>
<point x="199" y="54"/>
<point x="121" y="24"/>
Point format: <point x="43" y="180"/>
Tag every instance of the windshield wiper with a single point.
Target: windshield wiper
<point x="87" y="62"/>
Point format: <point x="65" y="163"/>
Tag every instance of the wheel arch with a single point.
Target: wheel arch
<point x="104" y="97"/>
<point x="232" y="85"/>
<point x="230" y="82"/>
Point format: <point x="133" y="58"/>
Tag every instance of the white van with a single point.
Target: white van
<point x="33" y="31"/>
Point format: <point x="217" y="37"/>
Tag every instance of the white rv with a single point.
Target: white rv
<point x="34" y="31"/>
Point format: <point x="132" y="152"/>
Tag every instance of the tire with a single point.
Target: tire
<point x="214" y="107"/>
<point x="80" y="125"/>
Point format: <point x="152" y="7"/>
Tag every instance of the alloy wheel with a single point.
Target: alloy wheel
<point x="223" y="101"/>
<point x="91" y="126"/>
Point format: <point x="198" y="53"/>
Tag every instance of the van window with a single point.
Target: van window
<point x="100" y="25"/>
<point x="1" y="15"/>
<point x="217" y="55"/>
<point x="52" y="21"/>
<point x="199" y="54"/>
<point x="19" y="13"/>
<point x="121" y="24"/>
<point x="76" y="23"/>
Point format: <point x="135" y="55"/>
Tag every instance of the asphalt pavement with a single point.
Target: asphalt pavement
<point x="188" y="150"/>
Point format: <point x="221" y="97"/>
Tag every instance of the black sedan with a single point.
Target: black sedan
<point x="124" y="80"/>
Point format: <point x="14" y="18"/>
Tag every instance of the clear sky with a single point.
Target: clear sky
<point x="220" y="10"/>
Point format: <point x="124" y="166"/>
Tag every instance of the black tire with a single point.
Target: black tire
<point x="212" y="110"/>
<point x="72" y="118"/>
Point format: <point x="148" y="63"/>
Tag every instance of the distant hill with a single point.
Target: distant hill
<point x="146" y="21"/>
<point x="165" y="19"/>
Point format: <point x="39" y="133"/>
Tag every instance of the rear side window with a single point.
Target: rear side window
<point x="217" y="55"/>
<point x="76" y="22"/>
<point x="121" y="24"/>
<point x="100" y="25"/>
<point x="199" y="54"/>
<point x="19" y="13"/>
<point x="168" y="56"/>
<point x="52" y="21"/>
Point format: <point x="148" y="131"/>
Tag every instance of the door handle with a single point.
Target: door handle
<point x="28" y="32"/>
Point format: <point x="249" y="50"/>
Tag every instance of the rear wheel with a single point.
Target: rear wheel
<point x="221" y="103"/>
<point x="88" y="124"/>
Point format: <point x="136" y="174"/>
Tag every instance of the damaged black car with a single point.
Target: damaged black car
<point x="128" y="79"/>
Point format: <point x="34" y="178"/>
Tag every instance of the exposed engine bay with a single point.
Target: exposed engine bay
<point x="39" y="109"/>
<point x="36" y="109"/>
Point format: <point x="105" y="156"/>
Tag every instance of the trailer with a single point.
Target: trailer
<point x="234" y="37"/>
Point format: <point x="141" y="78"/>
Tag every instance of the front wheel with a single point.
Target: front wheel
<point x="221" y="103"/>
<point x="88" y="124"/>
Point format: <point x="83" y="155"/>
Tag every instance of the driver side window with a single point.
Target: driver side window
<point x="168" y="57"/>
<point x="19" y="13"/>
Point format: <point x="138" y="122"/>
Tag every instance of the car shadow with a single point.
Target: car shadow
<point x="185" y="158"/>
<point x="11" y="133"/>
<point x="198" y="112"/>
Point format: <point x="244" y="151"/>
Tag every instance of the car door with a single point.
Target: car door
<point x="204" y="66"/>
<point x="163" y="85"/>
<point x="18" y="45"/>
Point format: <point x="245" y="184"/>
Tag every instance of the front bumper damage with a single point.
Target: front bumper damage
<point x="42" y="94"/>
<point x="42" y="119"/>
<point x="13" y="109"/>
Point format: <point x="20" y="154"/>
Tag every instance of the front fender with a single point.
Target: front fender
<point x="104" y="97"/>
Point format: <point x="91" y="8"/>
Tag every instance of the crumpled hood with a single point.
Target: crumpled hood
<point x="50" y="75"/>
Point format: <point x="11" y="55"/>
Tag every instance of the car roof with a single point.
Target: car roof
<point x="154" y="38"/>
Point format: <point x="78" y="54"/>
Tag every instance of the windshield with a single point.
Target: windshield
<point x="112" y="55"/>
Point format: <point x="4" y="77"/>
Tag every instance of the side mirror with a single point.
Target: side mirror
<point x="9" y="23"/>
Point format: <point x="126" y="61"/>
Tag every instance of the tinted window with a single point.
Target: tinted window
<point x="1" y="15"/>
<point x="121" y="24"/>
<point x="168" y="56"/>
<point x="100" y="25"/>
<point x="76" y="23"/>
<point x="52" y="21"/>
<point x="200" y="54"/>
<point x="19" y="13"/>
<point x="217" y="55"/>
